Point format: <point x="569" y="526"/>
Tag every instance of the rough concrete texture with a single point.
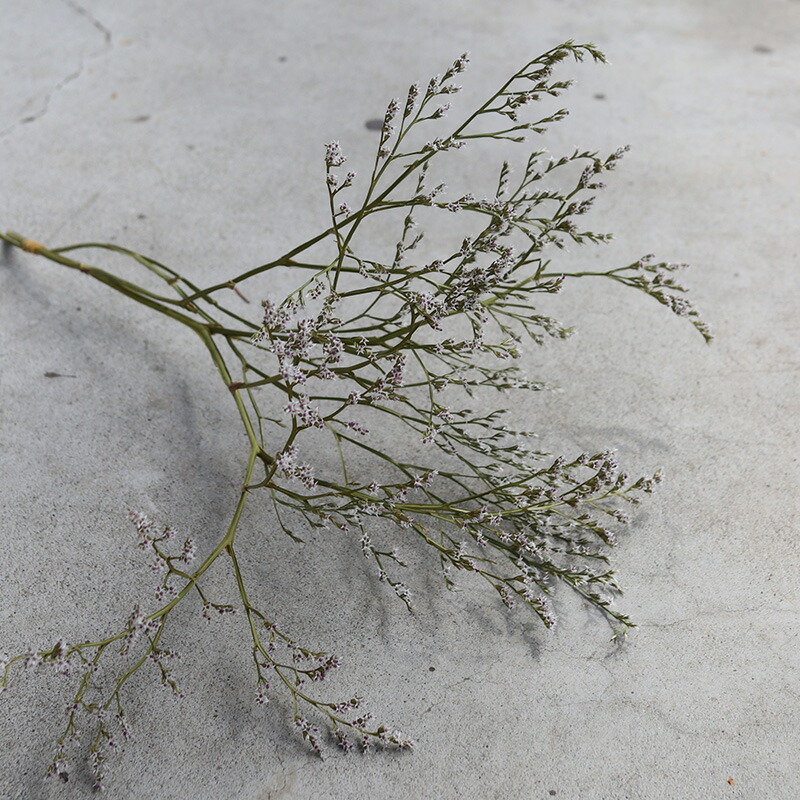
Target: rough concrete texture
<point x="193" y="131"/>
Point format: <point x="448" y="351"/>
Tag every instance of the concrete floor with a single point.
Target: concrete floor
<point x="193" y="131"/>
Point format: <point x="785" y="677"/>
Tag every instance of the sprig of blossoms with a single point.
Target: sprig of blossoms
<point x="370" y="353"/>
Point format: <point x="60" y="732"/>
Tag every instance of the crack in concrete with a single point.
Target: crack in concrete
<point x="283" y="772"/>
<point x="73" y="76"/>
<point x="286" y="775"/>
<point x="78" y="9"/>
<point x="45" y="103"/>
<point x="447" y="688"/>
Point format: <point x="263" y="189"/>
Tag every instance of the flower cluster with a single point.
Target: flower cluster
<point x="372" y="353"/>
<point x="287" y="464"/>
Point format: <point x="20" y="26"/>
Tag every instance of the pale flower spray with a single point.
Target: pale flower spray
<point x="363" y="342"/>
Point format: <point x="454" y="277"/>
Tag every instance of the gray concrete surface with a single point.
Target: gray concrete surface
<point x="193" y="131"/>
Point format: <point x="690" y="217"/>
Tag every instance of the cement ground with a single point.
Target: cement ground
<point x="193" y="131"/>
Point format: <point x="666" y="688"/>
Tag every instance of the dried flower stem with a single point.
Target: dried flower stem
<point x="366" y="339"/>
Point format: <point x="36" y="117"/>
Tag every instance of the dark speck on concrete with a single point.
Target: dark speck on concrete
<point x="281" y="59"/>
<point x="431" y="669"/>
<point x="373" y="124"/>
<point x="58" y="375"/>
<point x="141" y="118"/>
<point x="599" y="96"/>
<point x="141" y="216"/>
<point x="762" y="48"/>
<point x="552" y="793"/>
